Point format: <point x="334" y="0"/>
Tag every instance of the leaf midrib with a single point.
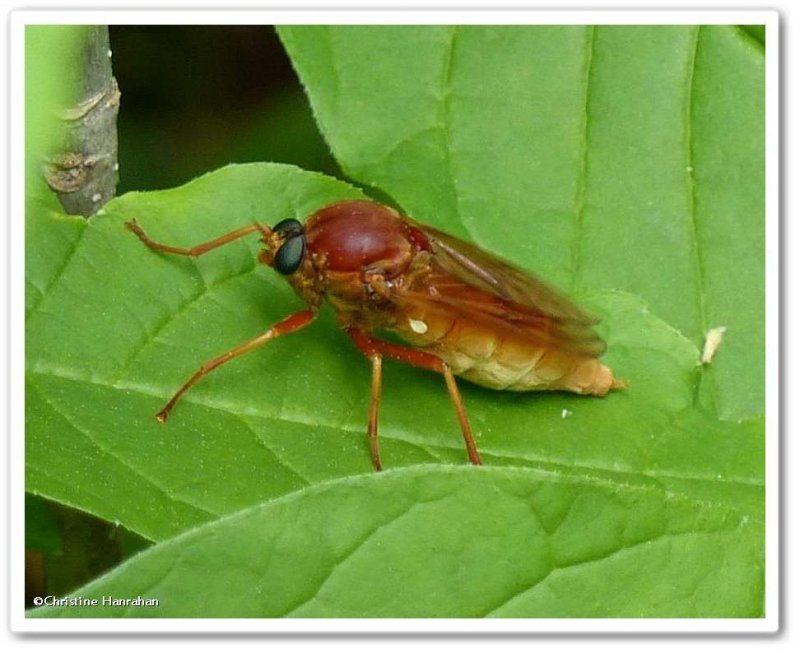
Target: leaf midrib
<point x="597" y="474"/>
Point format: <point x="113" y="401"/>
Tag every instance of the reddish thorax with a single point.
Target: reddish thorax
<point x="360" y="236"/>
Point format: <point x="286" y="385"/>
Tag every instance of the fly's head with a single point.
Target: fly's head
<point x="286" y="251"/>
<point x="284" y="246"/>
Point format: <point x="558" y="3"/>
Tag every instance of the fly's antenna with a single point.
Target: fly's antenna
<point x="264" y="229"/>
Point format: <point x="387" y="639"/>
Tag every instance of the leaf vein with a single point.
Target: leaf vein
<point x="278" y="458"/>
<point x="565" y="467"/>
<point x="580" y="190"/>
<point x="698" y="261"/>
<point x="58" y="272"/>
<point x="445" y="120"/>
<point x="353" y="551"/>
<point x="112" y="454"/>
<point x="556" y="569"/>
<point x="170" y="316"/>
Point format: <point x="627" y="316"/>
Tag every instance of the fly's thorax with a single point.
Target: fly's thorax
<point x="367" y="252"/>
<point x="362" y="299"/>
<point x="358" y="236"/>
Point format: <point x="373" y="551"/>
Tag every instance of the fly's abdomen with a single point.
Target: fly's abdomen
<point x="503" y="361"/>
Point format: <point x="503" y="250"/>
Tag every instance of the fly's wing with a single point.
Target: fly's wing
<point x="471" y="284"/>
<point x="473" y="265"/>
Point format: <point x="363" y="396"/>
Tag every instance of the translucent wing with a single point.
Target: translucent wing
<point x="471" y="284"/>
<point x="473" y="265"/>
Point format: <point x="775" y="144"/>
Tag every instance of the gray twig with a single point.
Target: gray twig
<point x="84" y="172"/>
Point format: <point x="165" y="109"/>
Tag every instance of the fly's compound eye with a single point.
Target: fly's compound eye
<point x="289" y="227"/>
<point x="290" y="254"/>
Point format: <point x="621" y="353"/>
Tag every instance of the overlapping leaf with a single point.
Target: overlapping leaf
<point x="517" y="543"/>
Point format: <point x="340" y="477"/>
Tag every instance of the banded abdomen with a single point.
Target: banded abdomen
<point x="500" y="357"/>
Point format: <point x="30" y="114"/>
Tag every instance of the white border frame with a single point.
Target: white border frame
<point x="20" y="19"/>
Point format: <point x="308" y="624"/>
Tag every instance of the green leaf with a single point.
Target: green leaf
<point x="615" y="157"/>
<point x="518" y="543"/>
<point x="113" y="329"/>
<point x="119" y="328"/>
<point x="625" y="164"/>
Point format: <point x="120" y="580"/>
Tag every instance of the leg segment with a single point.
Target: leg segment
<point x="372" y="431"/>
<point x="197" y="250"/>
<point x="292" y="323"/>
<point x="372" y="347"/>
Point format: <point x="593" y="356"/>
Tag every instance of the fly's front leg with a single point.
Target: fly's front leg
<point x="288" y="325"/>
<point x="374" y="348"/>
<point x="197" y="250"/>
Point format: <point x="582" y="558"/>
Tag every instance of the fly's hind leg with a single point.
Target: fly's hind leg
<point x="375" y="349"/>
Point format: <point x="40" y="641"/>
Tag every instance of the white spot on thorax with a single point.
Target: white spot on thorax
<point x="417" y="326"/>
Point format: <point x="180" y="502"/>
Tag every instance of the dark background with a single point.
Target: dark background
<point x="196" y="98"/>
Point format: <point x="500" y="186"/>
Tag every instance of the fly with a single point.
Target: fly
<point x="459" y="310"/>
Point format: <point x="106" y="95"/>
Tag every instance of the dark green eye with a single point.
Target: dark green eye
<point x="289" y="227"/>
<point x="290" y="254"/>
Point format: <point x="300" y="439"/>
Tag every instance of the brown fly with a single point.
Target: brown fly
<point x="461" y="311"/>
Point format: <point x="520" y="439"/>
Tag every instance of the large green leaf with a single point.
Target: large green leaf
<point x="609" y="157"/>
<point x="625" y="164"/>
<point x="517" y="543"/>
